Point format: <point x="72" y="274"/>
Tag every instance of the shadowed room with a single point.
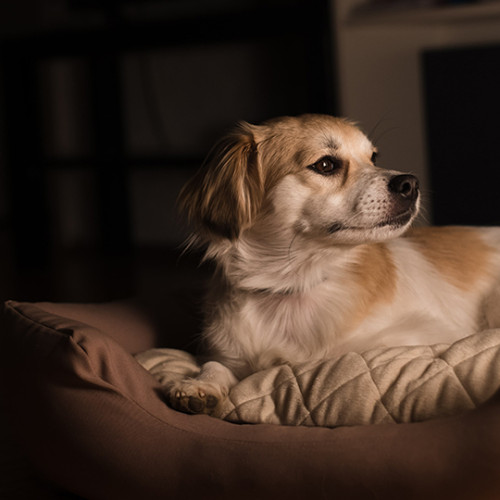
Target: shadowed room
<point x="108" y="108"/>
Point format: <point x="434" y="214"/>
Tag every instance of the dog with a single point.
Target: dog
<point x="315" y="255"/>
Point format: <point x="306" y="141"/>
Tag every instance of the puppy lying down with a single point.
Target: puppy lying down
<point x="315" y="256"/>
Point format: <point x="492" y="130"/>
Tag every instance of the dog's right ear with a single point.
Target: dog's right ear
<point x="226" y="193"/>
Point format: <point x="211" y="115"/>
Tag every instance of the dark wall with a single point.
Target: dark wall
<point x="104" y="102"/>
<point x="462" y="91"/>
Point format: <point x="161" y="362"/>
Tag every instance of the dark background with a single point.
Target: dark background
<point x="107" y="108"/>
<point x="463" y="133"/>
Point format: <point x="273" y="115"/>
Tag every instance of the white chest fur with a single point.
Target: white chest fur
<point x="339" y="304"/>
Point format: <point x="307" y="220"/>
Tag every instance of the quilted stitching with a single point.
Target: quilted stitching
<point x="401" y="384"/>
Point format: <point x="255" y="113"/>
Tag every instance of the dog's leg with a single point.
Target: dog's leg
<point x="204" y="393"/>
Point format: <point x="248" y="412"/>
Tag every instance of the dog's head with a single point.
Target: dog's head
<point x="313" y="174"/>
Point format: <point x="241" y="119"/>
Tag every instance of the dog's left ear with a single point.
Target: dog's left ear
<point x="226" y="193"/>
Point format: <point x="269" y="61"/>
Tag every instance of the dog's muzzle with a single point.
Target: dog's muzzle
<point x="403" y="191"/>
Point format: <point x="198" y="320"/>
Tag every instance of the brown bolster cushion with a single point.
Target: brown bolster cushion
<point x="92" y="422"/>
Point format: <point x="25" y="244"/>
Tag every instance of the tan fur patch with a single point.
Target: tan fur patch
<point x="226" y="193"/>
<point x="458" y="253"/>
<point x="375" y="276"/>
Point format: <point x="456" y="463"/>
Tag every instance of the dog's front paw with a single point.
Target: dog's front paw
<point x="194" y="396"/>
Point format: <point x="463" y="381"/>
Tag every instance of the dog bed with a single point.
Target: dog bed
<point x="85" y="420"/>
<point x="401" y="384"/>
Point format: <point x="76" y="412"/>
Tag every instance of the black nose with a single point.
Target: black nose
<point x="405" y="185"/>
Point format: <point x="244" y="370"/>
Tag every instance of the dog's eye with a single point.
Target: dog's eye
<point x="374" y="157"/>
<point x="326" y="165"/>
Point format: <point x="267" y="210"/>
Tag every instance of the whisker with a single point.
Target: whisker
<point x="379" y="122"/>
<point x="384" y="133"/>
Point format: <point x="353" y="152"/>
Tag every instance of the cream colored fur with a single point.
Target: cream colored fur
<point x="315" y="257"/>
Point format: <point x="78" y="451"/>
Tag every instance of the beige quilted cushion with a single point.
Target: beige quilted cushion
<point x="399" y="384"/>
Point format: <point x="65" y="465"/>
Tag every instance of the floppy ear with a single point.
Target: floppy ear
<point x="226" y="193"/>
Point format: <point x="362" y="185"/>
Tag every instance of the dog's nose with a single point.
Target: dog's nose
<point x="405" y="185"/>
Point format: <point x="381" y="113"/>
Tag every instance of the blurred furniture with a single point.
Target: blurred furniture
<point x="101" y="46"/>
<point x="381" y="78"/>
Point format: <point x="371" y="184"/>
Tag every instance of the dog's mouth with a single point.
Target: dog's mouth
<point x="395" y="222"/>
<point x="398" y="220"/>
